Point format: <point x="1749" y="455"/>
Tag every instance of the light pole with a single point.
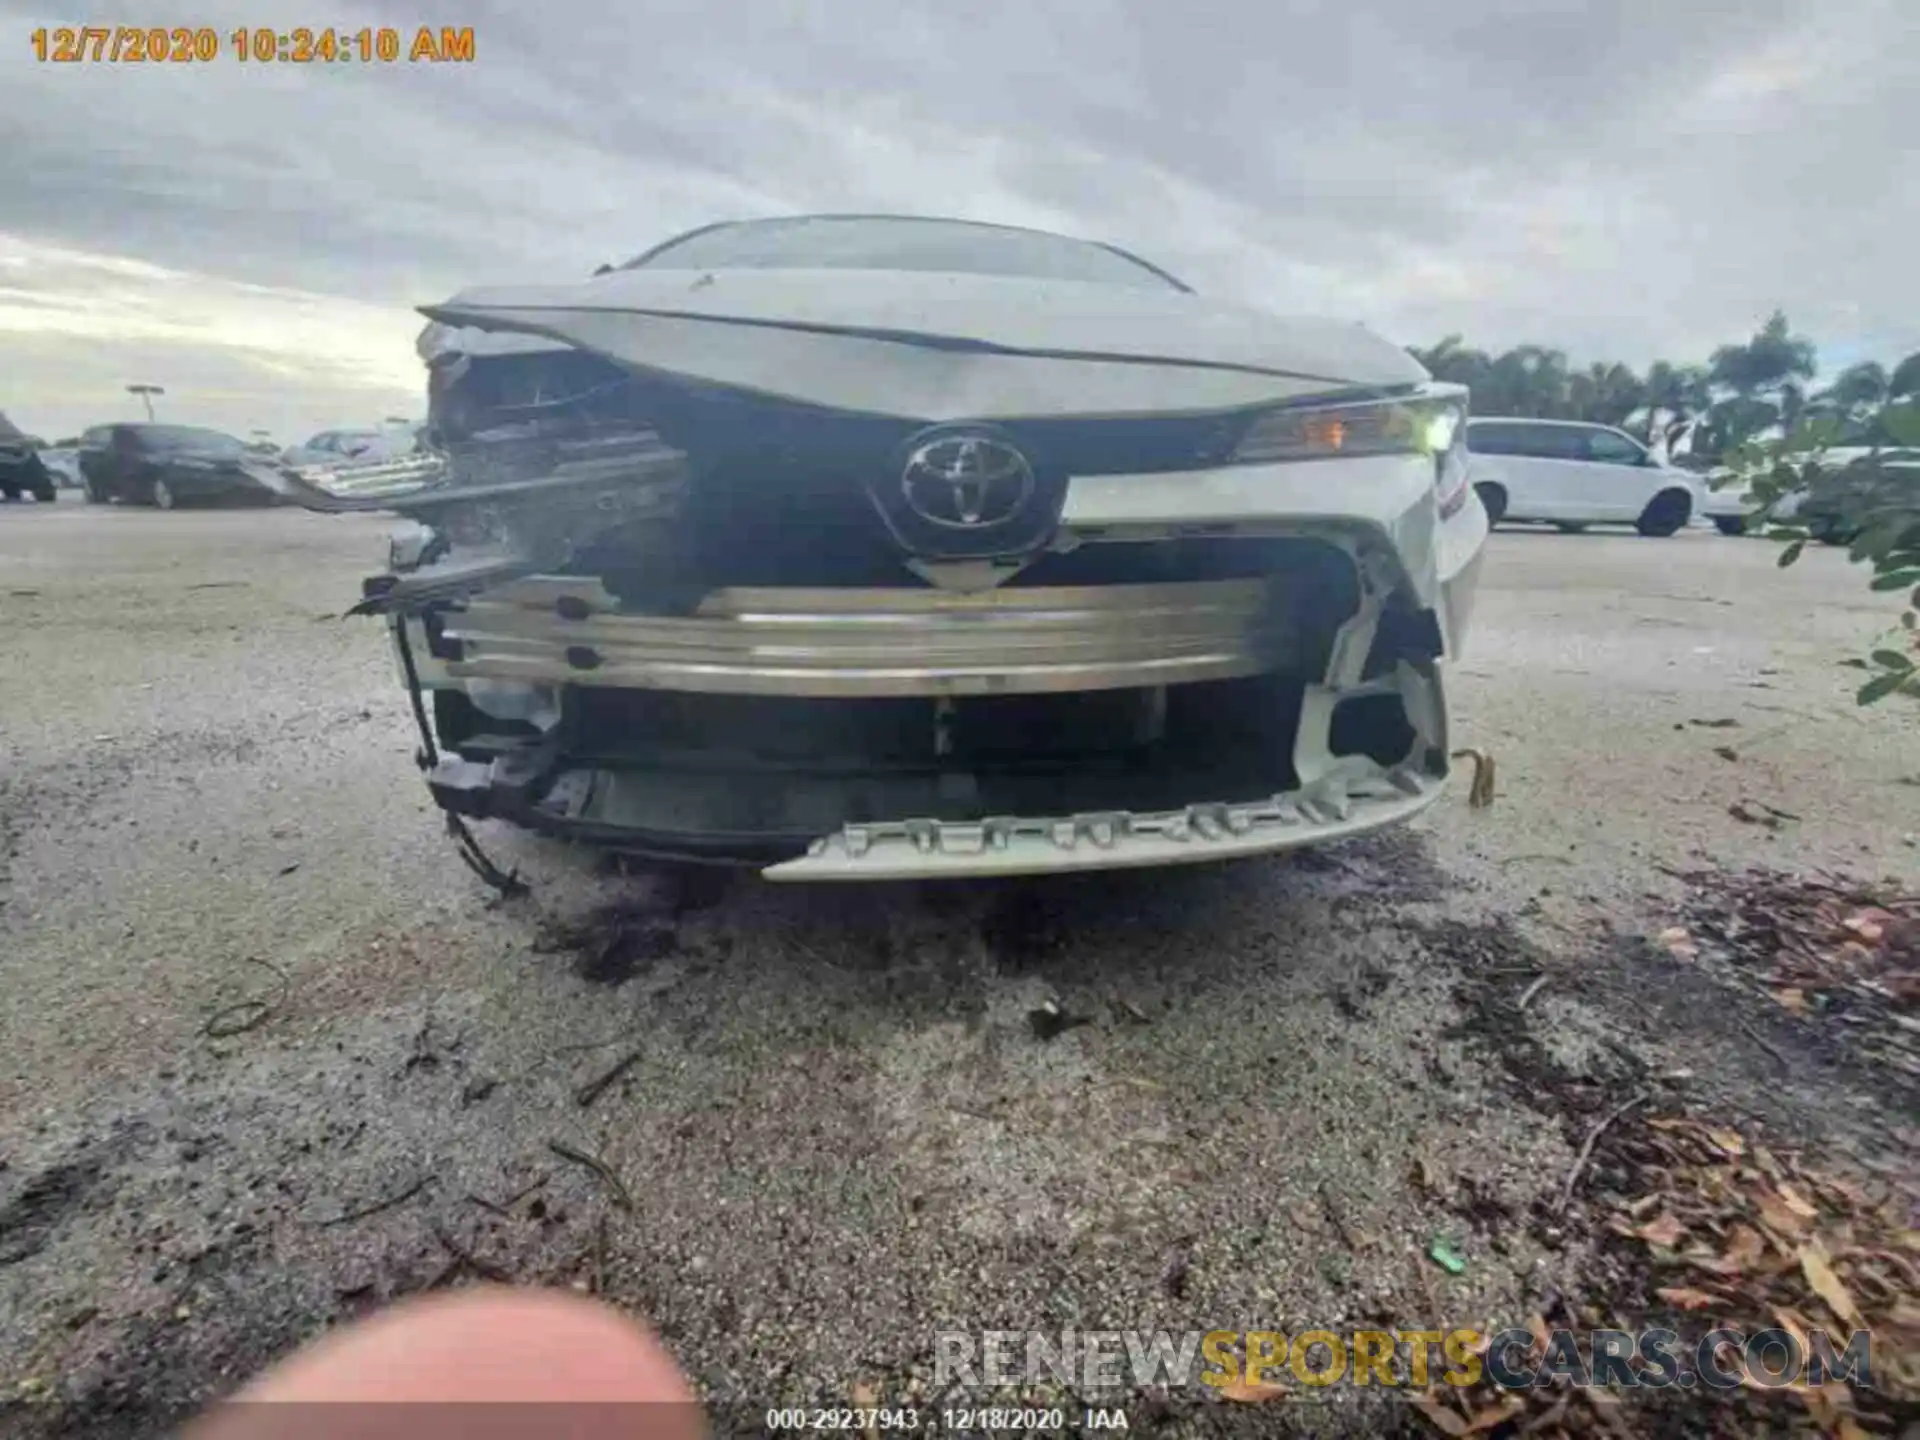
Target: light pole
<point x="146" y="394"/>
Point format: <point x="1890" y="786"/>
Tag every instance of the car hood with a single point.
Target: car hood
<point x="936" y="345"/>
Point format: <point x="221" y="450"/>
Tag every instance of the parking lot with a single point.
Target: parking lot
<point x="269" y="1057"/>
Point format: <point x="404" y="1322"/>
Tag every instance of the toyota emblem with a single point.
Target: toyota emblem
<point x="966" y="481"/>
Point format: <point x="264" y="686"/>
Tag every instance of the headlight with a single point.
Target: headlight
<point x="1426" y="424"/>
<point x="1431" y="423"/>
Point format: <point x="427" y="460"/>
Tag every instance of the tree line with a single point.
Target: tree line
<point x="1741" y="393"/>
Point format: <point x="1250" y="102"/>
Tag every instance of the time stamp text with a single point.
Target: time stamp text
<point x="252" y="45"/>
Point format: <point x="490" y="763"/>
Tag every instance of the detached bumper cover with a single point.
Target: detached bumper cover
<point x="1350" y="797"/>
<point x="1337" y="808"/>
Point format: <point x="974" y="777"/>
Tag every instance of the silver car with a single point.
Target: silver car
<point x="871" y="547"/>
<point x="337" y="447"/>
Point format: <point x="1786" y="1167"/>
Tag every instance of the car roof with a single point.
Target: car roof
<point x="1473" y="420"/>
<point x="142" y="427"/>
<point x="649" y="253"/>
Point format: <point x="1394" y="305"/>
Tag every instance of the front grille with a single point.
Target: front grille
<point x="1129" y="446"/>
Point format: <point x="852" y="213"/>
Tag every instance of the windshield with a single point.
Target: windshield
<point x="189" y="437"/>
<point x="951" y="247"/>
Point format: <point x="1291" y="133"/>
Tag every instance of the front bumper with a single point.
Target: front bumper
<point x="546" y="636"/>
<point x="856" y="643"/>
<point x="1351" y="798"/>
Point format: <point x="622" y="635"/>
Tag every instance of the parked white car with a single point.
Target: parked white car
<point x="335" y="447"/>
<point x="1730" y="506"/>
<point x="1574" y="474"/>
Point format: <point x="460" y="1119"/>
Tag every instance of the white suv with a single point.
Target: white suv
<point x="1574" y="474"/>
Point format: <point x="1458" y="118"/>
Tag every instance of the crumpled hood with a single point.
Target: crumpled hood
<point x="938" y="345"/>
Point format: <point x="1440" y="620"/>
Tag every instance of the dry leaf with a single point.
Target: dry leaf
<point x="1851" y="1193"/>
<point x="1678" y="943"/>
<point x="1818" y="1269"/>
<point x="1664" y="1231"/>
<point x="1682" y="1298"/>
<point x="1791" y="999"/>
<point x="1729" y="1141"/>
<point x="1869" y="925"/>
<point x="1849" y="1429"/>
<point x="1258" y="1392"/>
<point x="1443" y="1417"/>
<point x="1777" y="1215"/>
<point x="1542" y="1337"/>
<point x="865" y="1397"/>
<point x="1825" y="1404"/>
<point x="1795" y="1203"/>
<point x="1495" y="1415"/>
<point x="1743" y="1248"/>
<point x="1795" y="1325"/>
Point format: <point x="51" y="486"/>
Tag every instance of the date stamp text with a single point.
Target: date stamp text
<point x="252" y="45"/>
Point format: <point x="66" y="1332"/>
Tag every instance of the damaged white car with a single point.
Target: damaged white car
<point x="879" y="547"/>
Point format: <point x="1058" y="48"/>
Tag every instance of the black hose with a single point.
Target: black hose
<point x="507" y="883"/>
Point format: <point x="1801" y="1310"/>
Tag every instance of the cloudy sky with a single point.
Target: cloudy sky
<point x="1623" y="180"/>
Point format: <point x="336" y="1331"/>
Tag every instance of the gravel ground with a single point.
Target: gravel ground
<point x="839" y="1133"/>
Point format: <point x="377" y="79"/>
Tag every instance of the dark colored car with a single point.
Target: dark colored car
<point x="166" y="466"/>
<point x="22" y="472"/>
<point x="1864" y="482"/>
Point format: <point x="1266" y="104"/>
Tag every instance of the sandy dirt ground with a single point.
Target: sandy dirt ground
<point x="269" y="1058"/>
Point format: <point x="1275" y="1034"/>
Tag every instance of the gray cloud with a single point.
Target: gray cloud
<point x="1628" y="180"/>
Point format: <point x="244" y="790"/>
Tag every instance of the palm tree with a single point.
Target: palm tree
<point x="1453" y="363"/>
<point x="1854" y="399"/>
<point x="1676" y="397"/>
<point x="1857" y="388"/>
<point x="1773" y="357"/>
<point x="1606" y="393"/>
<point x="1743" y="391"/>
<point x="1528" y="380"/>
<point x="1762" y="383"/>
<point x="1904" y="382"/>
